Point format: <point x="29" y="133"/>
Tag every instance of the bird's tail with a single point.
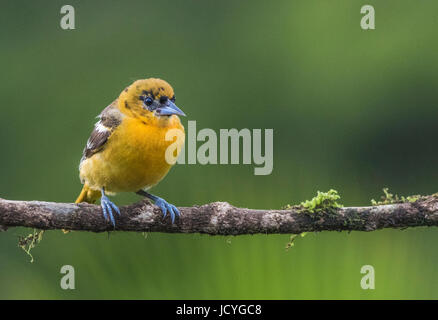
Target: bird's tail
<point x="88" y="195"/>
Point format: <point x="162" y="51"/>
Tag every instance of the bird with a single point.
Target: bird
<point x="126" y="151"/>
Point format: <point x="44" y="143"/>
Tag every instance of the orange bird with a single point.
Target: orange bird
<point x="126" y="151"/>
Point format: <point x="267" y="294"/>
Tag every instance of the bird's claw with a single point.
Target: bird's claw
<point x="107" y="209"/>
<point x="167" y="207"/>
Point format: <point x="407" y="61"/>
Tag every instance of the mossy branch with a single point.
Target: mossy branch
<point x="221" y="218"/>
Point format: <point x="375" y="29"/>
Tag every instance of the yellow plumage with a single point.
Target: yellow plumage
<point x="133" y="159"/>
<point x="132" y="154"/>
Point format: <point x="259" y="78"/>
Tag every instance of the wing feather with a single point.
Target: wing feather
<point x="109" y="119"/>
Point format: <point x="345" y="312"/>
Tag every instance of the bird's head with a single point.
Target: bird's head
<point x="149" y="97"/>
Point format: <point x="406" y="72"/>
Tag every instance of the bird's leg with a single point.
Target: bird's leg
<point x="108" y="207"/>
<point x="162" y="204"/>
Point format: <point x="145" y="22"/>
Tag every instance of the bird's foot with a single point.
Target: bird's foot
<point x="167" y="207"/>
<point x="107" y="209"/>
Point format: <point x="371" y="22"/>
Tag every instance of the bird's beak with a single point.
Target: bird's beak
<point x="168" y="108"/>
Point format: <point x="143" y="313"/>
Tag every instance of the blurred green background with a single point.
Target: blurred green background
<point x="352" y="110"/>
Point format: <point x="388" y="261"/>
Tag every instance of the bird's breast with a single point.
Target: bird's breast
<point x="135" y="155"/>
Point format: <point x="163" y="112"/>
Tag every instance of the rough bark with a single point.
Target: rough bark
<point x="218" y="218"/>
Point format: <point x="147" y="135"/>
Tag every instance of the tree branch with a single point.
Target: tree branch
<point x="218" y="218"/>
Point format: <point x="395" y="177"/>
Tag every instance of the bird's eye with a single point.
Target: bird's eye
<point x="148" y="101"/>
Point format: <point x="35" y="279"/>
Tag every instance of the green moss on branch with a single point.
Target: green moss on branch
<point x="389" y="198"/>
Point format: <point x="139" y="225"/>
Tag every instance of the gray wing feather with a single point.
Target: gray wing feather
<point x="109" y="119"/>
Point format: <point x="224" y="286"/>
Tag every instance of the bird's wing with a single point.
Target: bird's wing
<point x="109" y="120"/>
